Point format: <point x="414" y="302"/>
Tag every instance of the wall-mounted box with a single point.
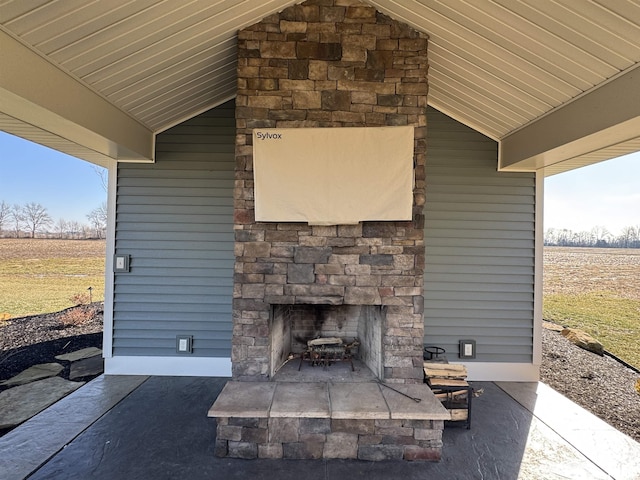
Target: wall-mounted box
<point x="467" y="349"/>
<point x="121" y="263"/>
<point x="184" y="343"/>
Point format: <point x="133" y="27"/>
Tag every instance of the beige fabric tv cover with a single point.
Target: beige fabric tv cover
<point x="333" y="176"/>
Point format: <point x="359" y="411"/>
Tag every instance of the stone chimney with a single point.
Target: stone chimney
<point x="335" y="64"/>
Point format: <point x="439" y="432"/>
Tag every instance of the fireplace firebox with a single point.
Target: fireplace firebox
<point x="319" y="335"/>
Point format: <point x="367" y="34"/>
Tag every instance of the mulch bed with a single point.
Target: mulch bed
<point x="38" y="339"/>
<point x="601" y="385"/>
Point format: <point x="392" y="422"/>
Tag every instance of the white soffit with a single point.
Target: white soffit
<point x="502" y="66"/>
<point x="44" y="97"/>
<point x="43" y="137"/>
<point x="497" y="66"/>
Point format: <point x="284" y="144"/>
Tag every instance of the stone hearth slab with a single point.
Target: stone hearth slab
<point x="244" y="400"/>
<point x="357" y="401"/>
<point x="402" y="408"/>
<point x="303" y="400"/>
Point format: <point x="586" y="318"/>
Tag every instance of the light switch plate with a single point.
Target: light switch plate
<point x="121" y="263"/>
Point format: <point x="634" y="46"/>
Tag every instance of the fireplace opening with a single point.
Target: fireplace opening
<point x="320" y="336"/>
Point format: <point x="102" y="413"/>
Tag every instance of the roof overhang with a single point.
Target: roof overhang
<point x="66" y="108"/>
<point x="555" y="84"/>
<point x="579" y="133"/>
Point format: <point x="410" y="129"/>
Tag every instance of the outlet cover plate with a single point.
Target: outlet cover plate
<point x="184" y="344"/>
<point x="467" y="349"/>
<point x="121" y="263"/>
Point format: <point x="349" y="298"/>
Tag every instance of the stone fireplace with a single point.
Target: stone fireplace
<point x="329" y="64"/>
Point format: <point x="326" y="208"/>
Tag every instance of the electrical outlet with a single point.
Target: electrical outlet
<point x="467" y="349"/>
<point x="184" y="343"/>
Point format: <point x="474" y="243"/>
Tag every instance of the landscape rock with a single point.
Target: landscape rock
<point x="86" y="367"/>
<point x="583" y="340"/>
<point x="31" y="374"/>
<point x="79" y="354"/>
<point x="21" y="403"/>
<point x="552" y="326"/>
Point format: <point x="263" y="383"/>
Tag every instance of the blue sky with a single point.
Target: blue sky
<point x="67" y="187"/>
<point x="606" y="194"/>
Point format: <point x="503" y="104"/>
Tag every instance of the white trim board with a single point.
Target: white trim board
<point x="107" y="325"/>
<point x="174" y="366"/>
<point x="221" y="367"/>
<point x="502" y="372"/>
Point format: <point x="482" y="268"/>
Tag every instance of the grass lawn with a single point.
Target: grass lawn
<point x="43" y="276"/>
<point x="598" y="291"/>
<point x="614" y="321"/>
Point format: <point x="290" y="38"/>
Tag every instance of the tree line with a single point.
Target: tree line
<point x="32" y="220"/>
<point x="599" y="237"/>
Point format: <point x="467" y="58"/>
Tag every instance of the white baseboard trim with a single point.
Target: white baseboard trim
<point x="168" y="366"/>
<point x="502" y="372"/>
<point x="221" y="367"/>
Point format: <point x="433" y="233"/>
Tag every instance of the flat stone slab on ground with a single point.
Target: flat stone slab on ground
<point x="80" y="354"/>
<point x="31" y="374"/>
<point x="21" y="403"/>
<point x="86" y="367"/>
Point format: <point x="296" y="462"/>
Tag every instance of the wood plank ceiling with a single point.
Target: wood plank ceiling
<point x="495" y="66"/>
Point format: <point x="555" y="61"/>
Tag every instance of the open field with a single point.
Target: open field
<point x="41" y="276"/>
<point x="596" y="290"/>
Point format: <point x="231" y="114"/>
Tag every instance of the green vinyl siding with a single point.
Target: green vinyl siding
<point x="479" y="241"/>
<point x="175" y="218"/>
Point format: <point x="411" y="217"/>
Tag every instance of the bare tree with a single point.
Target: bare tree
<point x="5" y="210"/>
<point x="61" y="227"/>
<point x="74" y="228"/>
<point x="103" y="173"/>
<point x="17" y="218"/>
<point x="36" y="217"/>
<point x="627" y="237"/>
<point x="98" y="219"/>
<point x="602" y="236"/>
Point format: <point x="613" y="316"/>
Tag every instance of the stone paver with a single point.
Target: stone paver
<point x="31" y="374"/>
<point x="86" y="367"/>
<point x="23" y="402"/>
<point x="80" y="354"/>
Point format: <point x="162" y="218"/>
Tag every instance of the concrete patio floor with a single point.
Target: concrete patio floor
<point x="126" y="427"/>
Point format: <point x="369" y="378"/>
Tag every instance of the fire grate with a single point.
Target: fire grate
<point x="328" y="350"/>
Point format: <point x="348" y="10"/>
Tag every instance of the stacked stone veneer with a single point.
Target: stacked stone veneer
<point x="329" y="63"/>
<point x="315" y="438"/>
